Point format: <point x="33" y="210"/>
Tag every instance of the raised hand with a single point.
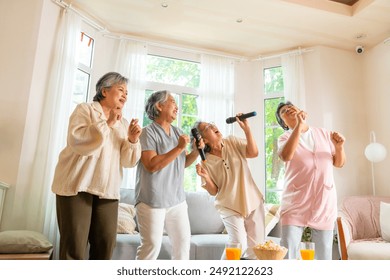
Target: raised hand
<point x="337" y="139"/>
<point x="183" y="141"/>
<point x="115" y="115"/>
<point x="201" y="171"/>
<point x="134" y="131"/>
<point x="244" y="124"/>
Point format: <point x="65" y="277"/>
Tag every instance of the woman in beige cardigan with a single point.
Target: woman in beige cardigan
<point x="89" y="171"/>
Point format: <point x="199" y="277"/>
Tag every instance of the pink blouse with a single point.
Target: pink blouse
<point x="309" y="197"/>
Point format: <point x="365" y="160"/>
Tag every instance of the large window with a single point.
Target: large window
<point x="181" y="78"/>
<point x="274" y="173"/>
<point x="84" y="68"/>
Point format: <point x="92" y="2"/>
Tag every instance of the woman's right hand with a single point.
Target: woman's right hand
<point x="183" y="141"/>
<point x="115" y="115"/>
<point x="301" y="119"/>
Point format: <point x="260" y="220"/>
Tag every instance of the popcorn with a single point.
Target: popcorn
<point x="269" y="245"/>
<point x="269" y="250"/>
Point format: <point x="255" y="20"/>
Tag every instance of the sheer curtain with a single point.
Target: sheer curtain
<point x="55" y="117"/>
<point x="216" y="91"/>
<point x="294" y="80"/>
<point x="131" y="63"/>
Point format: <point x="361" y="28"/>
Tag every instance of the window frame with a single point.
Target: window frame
<point x="268" y="96"/>
<point x="86" y="69"/>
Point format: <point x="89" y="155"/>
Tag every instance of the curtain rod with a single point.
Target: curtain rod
<point x="112" y="35"/>
<point x="91" y="22"/>
<point x="173" y="47"/>
<point x="293" y="52"/>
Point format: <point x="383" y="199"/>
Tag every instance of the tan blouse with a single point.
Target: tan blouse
<point x="237" y="190"/>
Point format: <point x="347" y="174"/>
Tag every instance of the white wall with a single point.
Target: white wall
<point x="335" y="98"/>
<point x="377" y="109"/>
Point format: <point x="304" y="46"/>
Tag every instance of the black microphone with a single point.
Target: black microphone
<point x="242" y="117"/>
<point x="196" y="135"/>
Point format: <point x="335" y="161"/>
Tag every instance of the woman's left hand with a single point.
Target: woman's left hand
<point x="134" y="131"/>
<point x="337" y="139"/>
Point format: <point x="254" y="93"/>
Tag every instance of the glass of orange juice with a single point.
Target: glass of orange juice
<point x="307" y="250"/>
<point x="233" y="250"/>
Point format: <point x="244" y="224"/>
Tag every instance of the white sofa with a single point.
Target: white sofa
<point x="207" y="237"/>
<point x="359" y="229"/>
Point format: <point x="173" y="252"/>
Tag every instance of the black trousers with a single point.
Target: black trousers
<point x="85" y="218"/>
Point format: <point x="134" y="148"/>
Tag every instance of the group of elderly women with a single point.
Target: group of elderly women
<point x="100" y="143"/>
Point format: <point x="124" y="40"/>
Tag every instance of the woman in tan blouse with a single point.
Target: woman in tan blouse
<point x="226" y="174"/>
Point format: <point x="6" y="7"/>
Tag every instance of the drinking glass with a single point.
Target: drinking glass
<point x="307" y="250"/>
<point x="233" y="250"/>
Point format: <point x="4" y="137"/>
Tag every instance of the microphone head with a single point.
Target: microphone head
<point x="230" y="120"/>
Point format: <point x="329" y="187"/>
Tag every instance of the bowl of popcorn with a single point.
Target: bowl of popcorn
<point x="269" y="250"/>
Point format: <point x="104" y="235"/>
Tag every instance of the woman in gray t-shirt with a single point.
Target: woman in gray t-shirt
<point x="160" y="193"/>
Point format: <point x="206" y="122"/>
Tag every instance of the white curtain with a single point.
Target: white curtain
<point x="55" y="118"/>
<point x="216" y="91"/>
<point x="294" y="80"/>
<point x="131" y="63"/>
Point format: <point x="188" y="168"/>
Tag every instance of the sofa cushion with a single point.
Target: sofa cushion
<point x="370" y="249"/>
<point x="126" y="222"/>
<point x="127" y="196"/>
<point x="204" y="218"/>
<point x="272" y="217"/>
<point x="384" y="220"/>
<point x="23" y="242"/>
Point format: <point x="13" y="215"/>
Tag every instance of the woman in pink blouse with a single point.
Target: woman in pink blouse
<point x="309" y="197"/>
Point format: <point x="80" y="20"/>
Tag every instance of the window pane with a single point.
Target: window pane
<point x="273" y="80"/>
<point x="81" y="86"/>
<point x="86" y="48"/>
<point x="173" y="71"/>
<point x="189" y="105"/>
<point x="274" y="166"/>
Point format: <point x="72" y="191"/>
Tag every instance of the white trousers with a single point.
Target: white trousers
<point x="151" y="223"/>
<point x="249" y="231"/>
<point x="291" y="239"/>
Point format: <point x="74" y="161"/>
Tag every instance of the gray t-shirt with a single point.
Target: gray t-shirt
<point x="163" y="188"/>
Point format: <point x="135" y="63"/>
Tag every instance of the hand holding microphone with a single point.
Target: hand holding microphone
<point x="241" y="117"/>
<point x="196" y="135"/>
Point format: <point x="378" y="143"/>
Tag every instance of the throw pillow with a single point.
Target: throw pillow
<point x="126" y="222"/>
<point x="384" y="220"/>
<point x="271" y="217"/>
<point x="23" y="242"/>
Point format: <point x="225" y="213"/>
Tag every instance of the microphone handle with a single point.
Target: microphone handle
<point x="242" y="117"/>
<point x="196" y="135"/>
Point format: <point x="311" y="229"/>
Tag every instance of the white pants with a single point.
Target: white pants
<point x="291" y="239"/>
<point x="249" y="231"/>
<point x="151" y="223"/>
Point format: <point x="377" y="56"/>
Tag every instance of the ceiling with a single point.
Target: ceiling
<point x="244" y="28"/>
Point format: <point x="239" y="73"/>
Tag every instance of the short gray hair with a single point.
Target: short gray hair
<point x="157" y="97"/>
<point x="107" y="81"/>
